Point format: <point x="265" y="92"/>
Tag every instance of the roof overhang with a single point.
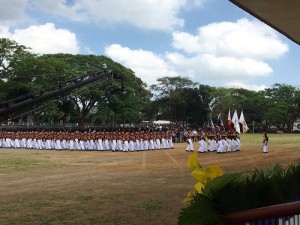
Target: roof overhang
<point x="282" y="15"/>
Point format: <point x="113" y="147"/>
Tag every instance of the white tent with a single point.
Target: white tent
<point x="161" y="122"/>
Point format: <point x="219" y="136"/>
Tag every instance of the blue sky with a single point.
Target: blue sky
<point x="212" y="42"/>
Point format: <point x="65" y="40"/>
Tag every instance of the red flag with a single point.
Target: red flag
<point x="229" y="120"/>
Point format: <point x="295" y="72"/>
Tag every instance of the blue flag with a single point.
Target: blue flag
<point x="211" y="126"/>
<point x="220" y="123"/>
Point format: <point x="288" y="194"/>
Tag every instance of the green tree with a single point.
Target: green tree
<point x="206" y="96"/>
<point x="221" y="100"/>
<point x="11" y="53"/>
<point x="11" y="57"/>
<point x="166" y="85"/>
<point x="284" y="106"/>
<point x="12" y="81"/>
<point x="37" y="75"/>
<point x="125" y="106"/>
<point x="196" y="105"/>
<point x="180" y="100"/>
<point x="254" y="104"/>
<point x="26" y="74"/>
<point x="168" y="97"/>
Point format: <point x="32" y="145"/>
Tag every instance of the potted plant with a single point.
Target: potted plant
<point x="218" y="193"/>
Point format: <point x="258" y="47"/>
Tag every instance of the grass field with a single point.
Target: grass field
<point x="116" y="188"/>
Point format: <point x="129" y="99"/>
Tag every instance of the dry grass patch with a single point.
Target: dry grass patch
<point x="116" y="188"/>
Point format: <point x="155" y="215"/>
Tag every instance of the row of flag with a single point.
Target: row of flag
<point x="234" y="120"/>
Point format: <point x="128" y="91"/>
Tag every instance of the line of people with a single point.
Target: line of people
<point x="219" y="142"/>
<point x="123" y="141"/>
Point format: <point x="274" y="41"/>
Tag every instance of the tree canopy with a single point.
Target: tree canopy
<point x="22" y="73"/>
<point x="177" y="99"/>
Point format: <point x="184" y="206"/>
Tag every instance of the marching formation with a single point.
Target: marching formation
<point x="216" y="138"/>
<point x="123" y="141"/>
<point x="219" y="142"/>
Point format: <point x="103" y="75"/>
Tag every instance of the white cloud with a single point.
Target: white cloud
<point x="253" y="87"/>
<point x="208" y="67"/>
<point x="60" y="8"/>
<point x="220" y="52"/>
<point x="145" y="64"/>
<point x="44" y="39"/>
<point x="4" y="32"/>
<point x="192" y="4"/>
<point x="243" y="38"/>
<point x="148" y="14"/>
<point x="226" y="53"/>
<point x="13" y="12"/>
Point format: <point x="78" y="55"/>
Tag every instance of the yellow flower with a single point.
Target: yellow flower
<point x="213" y="171"/>
<point x="200" y="175"/>
<point x="193" y="161"/>
<point x="198" y="187"/>
<point x="189" y="197"/>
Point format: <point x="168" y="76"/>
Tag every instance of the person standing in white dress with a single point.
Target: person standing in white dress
<point x="265" y="148"/>
<point x="190" y="147"/>
<point x="203" y="145"/>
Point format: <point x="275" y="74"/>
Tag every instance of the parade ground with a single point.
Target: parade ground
<point x="117" y="188"/>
